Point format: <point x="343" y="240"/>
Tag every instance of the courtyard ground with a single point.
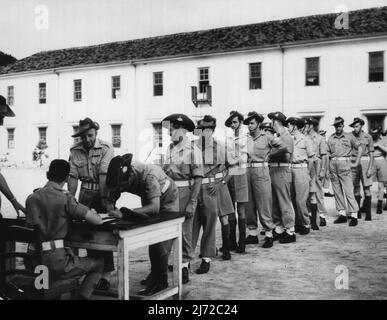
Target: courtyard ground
<point x="312" y="268"/>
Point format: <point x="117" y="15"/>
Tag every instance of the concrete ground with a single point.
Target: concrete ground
<point x="337" y="262"/>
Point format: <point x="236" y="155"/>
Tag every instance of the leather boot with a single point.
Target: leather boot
<point x="385" y="206"/>
<point x="226" y="240"/>
<point x="379" y="207"/>
<point x="242" y="236"/>
<point x="313" y="220"/>
<point x="233" y="244"/>
<point x="358" y="199"/>
<point x="367" y="207"/>
<point x="159" y="278"/>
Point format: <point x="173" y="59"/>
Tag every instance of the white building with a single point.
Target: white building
<point x="303" y="67"/>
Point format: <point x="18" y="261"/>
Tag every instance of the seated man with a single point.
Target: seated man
<point x="51" y="209"/>
<point x="158" y="193"/>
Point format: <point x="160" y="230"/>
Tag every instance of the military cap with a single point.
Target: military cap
<point x="295" y="121"/>
<point x="206" y="122"/>
<point x="181" y="119"/>
<point x="338" y="120"/>
<point x="266" y="126"/>
<point x="277" y="116"/>
<point x="233" y="114"/>
<point x="357" y="120"/>
<point x="5" y="110"/>
<point x="118" y="166"/>
<point x="253" y="115"/>
<point x="84" y="125"/>
<point x="322" y="133"/>
<point x="311" y="120"/>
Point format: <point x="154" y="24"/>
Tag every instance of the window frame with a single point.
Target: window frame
<point x="369" y="66"/>
<point x="114" y="126"/>
<point x="116" y="89"/>
<point x="45" y="133"/>
<point x="201" y="80"/>
<point x="11" y="97"/>
<point x="318" y="72"/>
<point x="156" y="85"/>
<point x="251" y="64"/>
<point x="11" y="140"/>
<point x="42" y="89"/>
<point x="77" y="92"/>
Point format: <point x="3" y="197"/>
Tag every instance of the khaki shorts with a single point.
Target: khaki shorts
<point x="360" y="174"/>
<point x="381" y="169"/>
<point x="225" y="205"/>
<point x="237" y="186"/>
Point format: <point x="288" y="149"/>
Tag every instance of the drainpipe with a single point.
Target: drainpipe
<point x="135" y="111"/>
<point x="59" y="114"/>
<point x="282" y="77"/>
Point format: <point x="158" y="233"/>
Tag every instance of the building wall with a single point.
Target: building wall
<point x="344" y="90"/>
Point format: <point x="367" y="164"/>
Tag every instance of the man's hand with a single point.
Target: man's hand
<point x="322" y="175"/>
<point x="190" y="208"/>
<point x="354" y="165"/>
<point x="370" y="173"/>
<point x="212" y="189"/>
<point x="18" y="207"/>
<point x="115" y="213"/>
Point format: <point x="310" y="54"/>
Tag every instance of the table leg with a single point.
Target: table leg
<point x="177" y="263"/>
<point x="123" y="269"/>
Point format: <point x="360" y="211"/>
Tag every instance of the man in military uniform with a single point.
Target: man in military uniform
<point x="207" y="209"/>
<point x="380" y="164"/>
<point x="279" y="164"/>
<point x="5" y="111"/>
<point x="364" y="171"/>
<point x="236" y="151"/>
<point x="302" y="160"/>
<point x="89" y="160"/>
<point x="183" y="163"/>
<point x="51" y="209"/>
<point x="158" y="194"/>
<point x="340" y="148"/>
<point x="318" y="173"/>
<point x="259" y="145"/>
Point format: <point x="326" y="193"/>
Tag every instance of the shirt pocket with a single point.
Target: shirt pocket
<point x="96" y="163"/>
<point x="81" y="168"/>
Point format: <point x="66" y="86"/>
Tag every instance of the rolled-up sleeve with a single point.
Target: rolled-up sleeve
<point x="74" y="209"/>
<point x="73" y="168"/>
<point x="152" y="187"/>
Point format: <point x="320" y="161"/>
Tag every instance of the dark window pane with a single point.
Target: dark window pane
<point x="116" y="135"/>
<point x="312" y="77"/>
<point x="376" y="66"/>
<point x="157" y="83"/>
<point x="255" y="79"/>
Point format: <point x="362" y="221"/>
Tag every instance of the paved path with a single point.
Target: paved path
<point x="302" y="270"/>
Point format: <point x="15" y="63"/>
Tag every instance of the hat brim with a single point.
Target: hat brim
<point x="228" y="121"/>
<point x="258" y="118"/>
<point x="6" y="111"/>
<point x="187" y="123"/>
<point x="95" y="126"/>
<point x="354" y="123"/>
<point x="335" y="124"/>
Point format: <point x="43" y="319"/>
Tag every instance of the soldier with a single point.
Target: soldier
<point x="207" y="209"/>
<point x="340" y="148"/>
<point x="89" y="161"/>
<point x="158" y="194"/>
<point x="5" y="111"/>
<point x="380" y="147"/>
<point x="319" y="166"/>
<point x="302" y="159"/>
<point x="183" y="163"/>
<point x="259" y="145"/>
<point x="326" y="181"/>
<point x="51" y="209"/>
<point x="363" y="172"/>
<point x="283" y="214"/>
<point x="237" y="183"/>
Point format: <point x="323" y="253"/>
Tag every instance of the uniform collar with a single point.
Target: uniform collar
<point x="181" y="145"/>
<point x="358" y="135"/>
<point x="338" y="137"/>
<point x="54" y="185"/>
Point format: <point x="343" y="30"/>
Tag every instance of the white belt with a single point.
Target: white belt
<point x="48" y="245"/>
<point x="299" y="165"/>
<point x="365" y="158"/>
<point x="183" y="183"/>
<point x="90" y="186"/>
<point x="257" y="164"/>
<point x="166" y="186"/>
<point x="340" y="158"/>
<point x="187" y="183"/>
<point x="278" y="164"/>
<point x="242" y="166"/>
<point x="380" y="158"/>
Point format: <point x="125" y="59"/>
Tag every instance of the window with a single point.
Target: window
<point x="157" y="83"/>
<point x="157" y="135"/>
<point x="75" y="130"/>
<point x="116" y="87"/>
<point x="116" y="135"/>
<point x="42" y="92"/>
<point x="204" y="79"/>
<point x="43" y="134"/>
<point x="376" y="66"/>
<point x="255" y="76"/>
<point x="312" y="77"/>
<point x="11" y="138"/>
<point x="10" y="95"/>
<point x="77" y="90"/>
<point x="376" y="121"/>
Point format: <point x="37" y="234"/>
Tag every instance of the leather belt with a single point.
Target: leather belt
<point x="49" y="245"/>
<point x="340" y="158"/>
<point x="257" y="164"/>
<point x="90" y="186"/>
<point x="278" y="164"/>
<point x="299" y="165"/>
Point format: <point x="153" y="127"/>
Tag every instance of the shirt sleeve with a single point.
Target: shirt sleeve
<point x="196" y="165"/>
<point x="323" y="147"/>
<point x="74" y="209"/>
<point x="31" y="211"/>
<point x="73" y="168"/>
<point x="152" y="187"/>
<point x="309" y="148"/>
<point x="107" y="156"/>
<point x="370" y="144"/>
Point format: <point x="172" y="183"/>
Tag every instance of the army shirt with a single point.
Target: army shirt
<point x="288" y="143"/>
<point x="214" y="156"/>
<point x="236" y="154"/>
<point x="319" y="145"/>
<point x="303" y="149"/>
<point x="259" y="147"/>
<point x="88" y="165"/>
<point x="342" y="145"/>
<point x="366" y="143"/>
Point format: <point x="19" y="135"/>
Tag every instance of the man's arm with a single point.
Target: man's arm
<point x="105" y="160"/>
<point x="192" y="202"/>
<point x="4" y="188"/>
<point x="72" y="185"/>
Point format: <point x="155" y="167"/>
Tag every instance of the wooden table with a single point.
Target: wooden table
<point x="124" y="236"/>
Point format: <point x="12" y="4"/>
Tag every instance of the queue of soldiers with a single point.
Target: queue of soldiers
<point x="275" y="174"/>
